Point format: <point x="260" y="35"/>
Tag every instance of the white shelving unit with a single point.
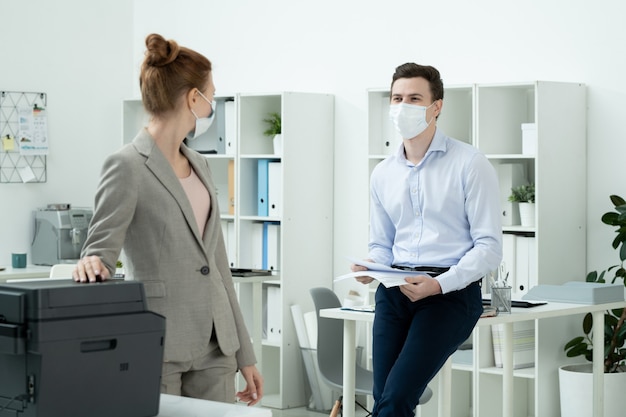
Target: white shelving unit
<point x="305" y="217"/>
<point x="489" y="116"/>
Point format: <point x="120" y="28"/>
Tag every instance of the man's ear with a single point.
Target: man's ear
<point x="438" y="107"/>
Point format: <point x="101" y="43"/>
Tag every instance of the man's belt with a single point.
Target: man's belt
<point x="433" y="271"/>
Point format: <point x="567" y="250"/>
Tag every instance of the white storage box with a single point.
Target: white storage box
<point x="529" y="138"/>
<point x="523" y="344"/>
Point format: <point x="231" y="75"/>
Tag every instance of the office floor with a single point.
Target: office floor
<point x="303" y="412"/>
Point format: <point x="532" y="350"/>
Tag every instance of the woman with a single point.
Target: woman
<point x="157" y="200"/>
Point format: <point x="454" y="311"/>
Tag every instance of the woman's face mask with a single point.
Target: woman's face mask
<point x="202" y="123"/>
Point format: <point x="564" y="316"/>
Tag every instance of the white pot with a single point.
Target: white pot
<point x="576" y="388"/>
<point x="278" y="144"/>
<point x="527" y="214"/>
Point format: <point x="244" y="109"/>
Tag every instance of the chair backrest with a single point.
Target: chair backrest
<point x="62" y="271"/>
<point x="329" y="336"/>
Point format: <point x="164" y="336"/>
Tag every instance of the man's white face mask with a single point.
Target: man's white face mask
<point x="409" y="119"/>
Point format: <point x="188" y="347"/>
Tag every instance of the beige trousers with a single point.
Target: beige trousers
<point x="210" y="377"/>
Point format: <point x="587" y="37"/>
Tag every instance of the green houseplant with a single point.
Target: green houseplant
<point x="274" y="129"/>
<point x="273" y="124"/>
<point x="523" y="194"/>
<point x="614" y="327"/>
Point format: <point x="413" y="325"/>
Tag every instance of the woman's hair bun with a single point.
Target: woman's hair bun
<point x="160" y="51"/>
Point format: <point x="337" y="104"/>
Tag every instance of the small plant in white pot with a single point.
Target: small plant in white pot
<point x="614" y="333"/>
<point x="524" y="195"/>
<point x="274" y="129"/>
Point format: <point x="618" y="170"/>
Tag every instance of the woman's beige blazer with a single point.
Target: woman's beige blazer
<point x="141" y="206"/>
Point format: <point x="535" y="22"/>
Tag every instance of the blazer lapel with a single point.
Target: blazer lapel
<point x="160" y="167"/>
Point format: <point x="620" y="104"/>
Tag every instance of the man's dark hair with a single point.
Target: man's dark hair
<point x="430" y="74"/>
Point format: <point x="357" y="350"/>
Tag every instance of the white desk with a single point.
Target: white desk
<point x="519" y="314"/>
<point x="174" y="406"/>
<point x="31" y="271"/>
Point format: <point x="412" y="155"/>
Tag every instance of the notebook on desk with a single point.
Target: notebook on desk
<point x="518" y="303"/>
<point x="245" y="272"/>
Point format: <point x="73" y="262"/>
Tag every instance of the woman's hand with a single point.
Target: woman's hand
<point x="364" y="279"/>
<point x="254" y="385"/>
<point x="90" y="269"/>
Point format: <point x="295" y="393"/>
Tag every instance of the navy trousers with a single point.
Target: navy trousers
<point x="413" y="340"/>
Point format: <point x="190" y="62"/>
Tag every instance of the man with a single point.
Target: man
<point x="435" y="207"/>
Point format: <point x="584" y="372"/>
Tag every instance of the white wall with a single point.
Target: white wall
<point x="80" y="54"/>
<point x="339" y="47"/>
<point x="345" y="47"/>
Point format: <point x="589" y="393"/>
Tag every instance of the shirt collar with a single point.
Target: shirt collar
<point x="438" y="143"/>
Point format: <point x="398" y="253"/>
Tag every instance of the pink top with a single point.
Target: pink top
<point x="199" y="198"/>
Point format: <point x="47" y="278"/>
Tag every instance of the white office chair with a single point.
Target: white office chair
<point x="62" y="271"/>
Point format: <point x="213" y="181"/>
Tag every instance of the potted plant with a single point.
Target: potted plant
<point x="614" y="326"/>
<point x="119" y="269"/>
<point x="524" y="195"/>
<point x="274" y="129"/>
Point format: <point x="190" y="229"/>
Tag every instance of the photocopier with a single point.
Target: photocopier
<point x="71" y="350"/>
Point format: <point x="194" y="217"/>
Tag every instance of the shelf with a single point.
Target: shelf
<point x="262" y="156"/>
<point x="511" y="156"/>
<point x="462" y="367"/>
<point x="272" y="343"/>
<point x="528" y="373"/>
<point x="518" y="229"/>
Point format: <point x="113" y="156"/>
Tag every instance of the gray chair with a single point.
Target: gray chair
<point x="330" y="348"/>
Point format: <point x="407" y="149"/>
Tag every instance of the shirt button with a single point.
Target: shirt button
<point x="204" y="270"/>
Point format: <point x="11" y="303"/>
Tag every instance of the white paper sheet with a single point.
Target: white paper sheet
<point x="386" y="275"/>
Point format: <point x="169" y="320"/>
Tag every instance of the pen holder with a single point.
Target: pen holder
<point x="501" y="299"/>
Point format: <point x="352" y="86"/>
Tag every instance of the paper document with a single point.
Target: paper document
<point x="386" y="275"/>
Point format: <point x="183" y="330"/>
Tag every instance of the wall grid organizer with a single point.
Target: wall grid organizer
<point x="12" y="162"/>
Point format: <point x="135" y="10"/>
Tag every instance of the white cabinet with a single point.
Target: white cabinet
<point x="490" y="116"/>
<point x="299" y="208"/>
<point x="299" y="183"/>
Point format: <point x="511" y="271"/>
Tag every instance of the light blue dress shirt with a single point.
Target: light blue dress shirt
<point x="444" y="212"/>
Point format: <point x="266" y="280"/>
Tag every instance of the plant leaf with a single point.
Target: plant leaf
<point x="577" y="350"/>
<point x="592" y="276"/>
<point x="617" y="200"/>
<point x="575" y="341"/>
<point x="587" y="323"/>
<point x="610" y="218"/>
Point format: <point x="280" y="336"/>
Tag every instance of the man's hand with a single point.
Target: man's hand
<point x="364" y="279"/>
<point x="420" y="287"/>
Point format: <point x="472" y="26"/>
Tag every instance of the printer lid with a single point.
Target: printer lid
<point x="57" y="299"/>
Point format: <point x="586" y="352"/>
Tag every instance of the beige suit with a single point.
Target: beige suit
<point x="141" y="205"/>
